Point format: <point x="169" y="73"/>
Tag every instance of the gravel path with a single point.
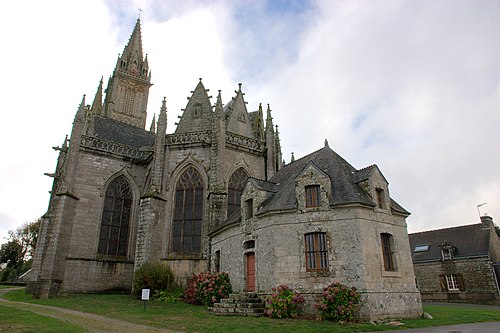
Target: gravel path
<point x="91" y="322"/>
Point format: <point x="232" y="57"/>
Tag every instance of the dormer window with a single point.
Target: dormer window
<point x="446" y="254"/>
<point x="447" y="250"/>
<point x="312" y="196"/>
<point x="380" y="198"/>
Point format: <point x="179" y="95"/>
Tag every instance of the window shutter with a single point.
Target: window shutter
<point x="461" y="285"/>
<point x="442" y="282"/>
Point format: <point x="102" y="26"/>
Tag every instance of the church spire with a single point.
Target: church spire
<point x="132" y="61"/>
<point x="97" y="103"/>
<point x="128" y="88"/>
<point x="152" y="128"/>
<point x="159" y="150"/>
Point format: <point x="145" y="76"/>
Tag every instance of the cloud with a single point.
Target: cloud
<point x="411" y="86"/>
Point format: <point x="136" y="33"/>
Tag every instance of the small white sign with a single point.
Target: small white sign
<point x="145" y="294"/>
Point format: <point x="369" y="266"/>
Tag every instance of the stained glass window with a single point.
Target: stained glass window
<point x="115" y="221"/>
<point x="188" y="212"/>
<point x="235" y="188"/>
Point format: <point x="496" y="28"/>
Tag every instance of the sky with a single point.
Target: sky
<point x="412" y="86"/>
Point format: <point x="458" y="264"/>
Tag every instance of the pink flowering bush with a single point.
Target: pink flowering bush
<point x="338" y="302"/>
<point x="284" y="303"/>
<point x="207" y="288"/>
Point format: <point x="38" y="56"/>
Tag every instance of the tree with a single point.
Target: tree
<point x="20" y="247"/>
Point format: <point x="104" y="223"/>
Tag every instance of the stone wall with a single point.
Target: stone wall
<point x="355" y="256"/>
<point x="478" y="276"/>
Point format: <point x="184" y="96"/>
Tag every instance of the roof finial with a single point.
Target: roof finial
<point x="293" y="158"/>
<point x="326" y="143"/>
<point x="140" y="12"/>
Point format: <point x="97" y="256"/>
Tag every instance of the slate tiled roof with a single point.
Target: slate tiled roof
<point x="469" y="240"/>
<point x="115" y="131"/>
<point x="341" y="173"/>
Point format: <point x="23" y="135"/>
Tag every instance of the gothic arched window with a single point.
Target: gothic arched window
<point x="188" y="213"/>
<point x="235" y="188"/>
<point x="115" y="221"/>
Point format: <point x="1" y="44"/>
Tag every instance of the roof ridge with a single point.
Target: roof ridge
<point x="303" y="157"/>
<point x="262" y="180"/>
<point x="441" y="229"/>
<point x="367" y="167"/>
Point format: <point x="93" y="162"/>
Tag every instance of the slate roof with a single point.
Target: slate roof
<point x="469" y="240"/>
<point x="115" y="131"/>
<point x="342" y="174"/>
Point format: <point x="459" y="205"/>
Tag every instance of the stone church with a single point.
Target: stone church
<point x="213" y="195"/>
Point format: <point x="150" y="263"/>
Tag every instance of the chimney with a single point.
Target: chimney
<point x="487" y="221"/>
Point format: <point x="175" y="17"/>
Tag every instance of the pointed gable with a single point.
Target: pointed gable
<point x="237" y="118"/>
<point x="257" y="120"/>
<point x="198" y="114"/>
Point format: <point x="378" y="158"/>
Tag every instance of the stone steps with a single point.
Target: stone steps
<point x="243" y="304"/>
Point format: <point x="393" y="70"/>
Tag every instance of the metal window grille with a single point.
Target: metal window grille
<point x="316" y="252"/>
<point x="388" y="251"/>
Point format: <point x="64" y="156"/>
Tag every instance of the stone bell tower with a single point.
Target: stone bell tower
<point x="128" y="87"/>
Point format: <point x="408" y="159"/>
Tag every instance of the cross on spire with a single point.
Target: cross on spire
<point x="140" y="12"/>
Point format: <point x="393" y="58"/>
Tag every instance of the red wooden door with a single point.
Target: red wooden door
<point x="250" y="271"/>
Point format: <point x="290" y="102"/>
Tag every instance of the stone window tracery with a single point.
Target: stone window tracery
<point x="115" y="221"/>
<point x="235" y="188"/>
<point x="188" y="213"/>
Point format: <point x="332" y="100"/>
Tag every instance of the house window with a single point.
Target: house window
<point x="388" y="252"/>
<point x="380" y="198"/>
<point x="235" y="187"/>
<point x="446" y="254"/>
<point x="312" y="196"/>
<point x="452" y="282"/>
<point x="188" y="213"/>
<point x="249" y="209"/>
<point x="316" y="252"/>
<point x="115" y="220"/>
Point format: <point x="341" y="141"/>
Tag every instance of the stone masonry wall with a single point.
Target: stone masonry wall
<point x="355" y="257"/>
<point x="86" y="270"/>
<point x="478" y="275"/>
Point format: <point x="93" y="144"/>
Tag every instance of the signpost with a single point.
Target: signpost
<point x="145" y="297"/>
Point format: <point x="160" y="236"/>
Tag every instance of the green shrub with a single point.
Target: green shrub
<point x="284" y="303"/>
<point x="154" y="276"/>
<point x="207" y="288"/>
<point x="169" y="296"/>
<point x="338" y="302"/>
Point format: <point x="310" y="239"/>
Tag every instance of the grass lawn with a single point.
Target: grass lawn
<point x="185" y="317"/>
<point x="15" y="320"/>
